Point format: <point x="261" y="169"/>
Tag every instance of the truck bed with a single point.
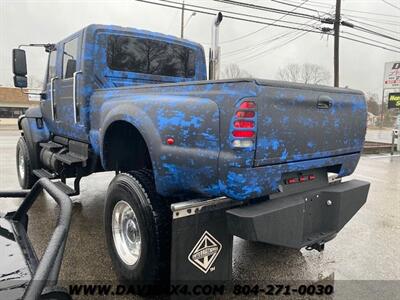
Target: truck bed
<point x="298" y="127"/>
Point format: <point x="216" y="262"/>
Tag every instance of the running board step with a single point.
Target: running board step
<point x="40" y="173"/>
<point x="65" y="188"/>
<point x="70" y="158"/>
<point x="51" y="145"/>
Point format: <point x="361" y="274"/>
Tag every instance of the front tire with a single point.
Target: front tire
<point x="24" y="165"/>
<point x="137" y="226"/>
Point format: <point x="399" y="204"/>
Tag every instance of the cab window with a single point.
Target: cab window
<point x="152" y="57"/>
<point x="70" y="56"/>
<point x="52" y="71"/>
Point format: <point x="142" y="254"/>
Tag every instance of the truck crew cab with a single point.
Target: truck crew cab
<point x="139" y="103"/>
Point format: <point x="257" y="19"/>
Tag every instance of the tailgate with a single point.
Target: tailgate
<point x="300" y="122"/>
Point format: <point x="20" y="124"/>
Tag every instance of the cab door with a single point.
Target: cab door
<point x="68" y="98"/>
<point x="48" y="102"/>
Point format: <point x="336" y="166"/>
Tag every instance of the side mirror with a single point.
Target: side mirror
<point x="20" y="81"/>
<point x="19" y="68"/>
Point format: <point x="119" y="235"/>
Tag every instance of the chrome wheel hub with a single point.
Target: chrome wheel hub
<point x="126" y="233"/>
<point x="21" y="165"/>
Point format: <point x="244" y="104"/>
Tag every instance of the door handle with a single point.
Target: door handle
<point x="53" y="113"/>
<point x="324" y="102"/>
<point x="75" y="76"/>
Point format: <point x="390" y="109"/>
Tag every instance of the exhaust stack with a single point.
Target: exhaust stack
<point x="215" y="49"/>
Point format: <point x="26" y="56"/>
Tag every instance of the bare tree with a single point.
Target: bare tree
<point x="372" y="103"/>
<point x="234" y="71"/>
<point x="305" y="73"/>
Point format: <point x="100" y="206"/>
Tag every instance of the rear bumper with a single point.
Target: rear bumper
<point x="248" y="183"/>
<point x="300" y="220"/>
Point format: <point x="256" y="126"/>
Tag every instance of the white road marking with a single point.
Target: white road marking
<point x="383" y="156"/>
<point x="370" y="178"/>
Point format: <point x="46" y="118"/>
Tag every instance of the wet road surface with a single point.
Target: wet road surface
<point x="363" y="258"/>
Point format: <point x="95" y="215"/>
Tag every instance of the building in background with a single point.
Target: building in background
<point x="372" y="119"/>
<point x="13" y="103"/>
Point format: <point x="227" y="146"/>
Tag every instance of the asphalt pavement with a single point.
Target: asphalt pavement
<point x="364" y="258"/>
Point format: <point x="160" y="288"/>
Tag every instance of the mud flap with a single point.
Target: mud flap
<point x="202" y="231"/>
<point x="201" y="243"/>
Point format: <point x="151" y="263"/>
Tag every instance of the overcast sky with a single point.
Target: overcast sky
<point x="261" y="53"/>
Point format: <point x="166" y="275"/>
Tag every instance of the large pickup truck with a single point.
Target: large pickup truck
<point x="139" y="103"/>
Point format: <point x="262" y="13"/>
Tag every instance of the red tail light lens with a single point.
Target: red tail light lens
<point x="311" y="177"/>
<point x="245" y="114"/>
<point x="245" y="111"/>
<point x="303" y="178"/>
<point x="292" y="180"/>
<point x="248" y="105"/>
<point x="243" y="124"/>
<point x="243" y="134"/>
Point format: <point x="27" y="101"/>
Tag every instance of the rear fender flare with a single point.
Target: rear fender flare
<point x="135" y="116"/>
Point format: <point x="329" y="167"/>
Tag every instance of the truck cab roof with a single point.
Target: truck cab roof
<point x="130" y="30"/>
<point x="116" y="56"/>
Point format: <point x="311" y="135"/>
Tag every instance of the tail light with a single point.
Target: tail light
<point x="303" y="178"/>
<point x="292" y="180"/>
<point x="312" y="177"/>
<point x="243" y="134"/>
<point x="245" y="114"/>
<point x="300" y="179"/>
<point x="244" y="125"/>
<point x="248" y="105"/>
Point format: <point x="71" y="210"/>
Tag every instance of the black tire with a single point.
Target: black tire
<point x="26" y="179"/>
<point x="154" y="220"/>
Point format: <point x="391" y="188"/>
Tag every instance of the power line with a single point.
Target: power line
<point x="357" y="27"/>
<point x="298" y="6"/>
<point x="255" y="56"/>
<point x="270" y="9"/>
<point x="379" y="21"/>
<point x="392" y="5"/>
<point x="225" y="16"/>
<point x="258" y="7"/>
<point x="259" y="22"/>
<point x="371" y="25"/>
<point x="261" y="44"/>
<point x="264" y="27"/>
<point x="326" y="5"/>
<point x="230" y="12"/>
<point x="370" y="44"/>
<point x="373" y="20"/>
<point x="369" y="39"/>
<point x="375" y="33"/>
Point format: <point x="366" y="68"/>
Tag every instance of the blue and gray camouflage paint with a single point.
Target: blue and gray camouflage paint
<point x="292" y="134"/>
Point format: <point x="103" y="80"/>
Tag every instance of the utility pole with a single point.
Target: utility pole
<point x="183" y="19"/>
<point x="336" y="29"/>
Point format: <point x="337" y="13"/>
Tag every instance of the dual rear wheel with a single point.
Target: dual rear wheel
<point x="137" y="226"/>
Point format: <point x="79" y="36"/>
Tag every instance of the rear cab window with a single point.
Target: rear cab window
<point x="151" y="57"/>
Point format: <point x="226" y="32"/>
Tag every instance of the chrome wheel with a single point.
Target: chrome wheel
<point x="126" y="233"/>
<point x="21" y="164"/>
